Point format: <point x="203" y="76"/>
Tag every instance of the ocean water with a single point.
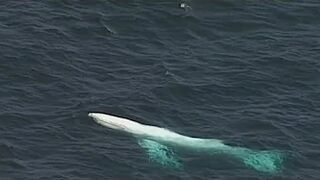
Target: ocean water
<point x="243" y="71"/>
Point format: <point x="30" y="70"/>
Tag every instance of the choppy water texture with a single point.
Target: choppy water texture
<point x="245" y="71"/>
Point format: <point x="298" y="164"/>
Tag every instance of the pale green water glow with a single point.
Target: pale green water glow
<point x="263" y="161"/>
<point x="160" y="153"/>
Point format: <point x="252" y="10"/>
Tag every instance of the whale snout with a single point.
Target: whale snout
<point x="94" y="116"/>
<point x="91" y="115"/>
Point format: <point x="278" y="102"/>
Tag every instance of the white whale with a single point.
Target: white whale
<point x="157" y="141"/>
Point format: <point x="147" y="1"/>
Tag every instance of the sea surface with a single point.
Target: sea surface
<point x="243" y="71"/>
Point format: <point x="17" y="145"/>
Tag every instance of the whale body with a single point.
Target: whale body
<point x="158" y="143"/>
<point x="158" y="134"/>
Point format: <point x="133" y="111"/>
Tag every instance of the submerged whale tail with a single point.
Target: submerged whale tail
<point x="264" y="161"/>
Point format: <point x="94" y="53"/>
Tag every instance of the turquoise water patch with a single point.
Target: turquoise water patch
<point x="263" y="161"/>
<point x="160" y="153"/>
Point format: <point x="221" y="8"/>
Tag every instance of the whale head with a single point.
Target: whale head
<point x="116" y="123"/>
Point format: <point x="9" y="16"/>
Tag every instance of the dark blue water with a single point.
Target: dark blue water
<point x="244" y="71"/>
